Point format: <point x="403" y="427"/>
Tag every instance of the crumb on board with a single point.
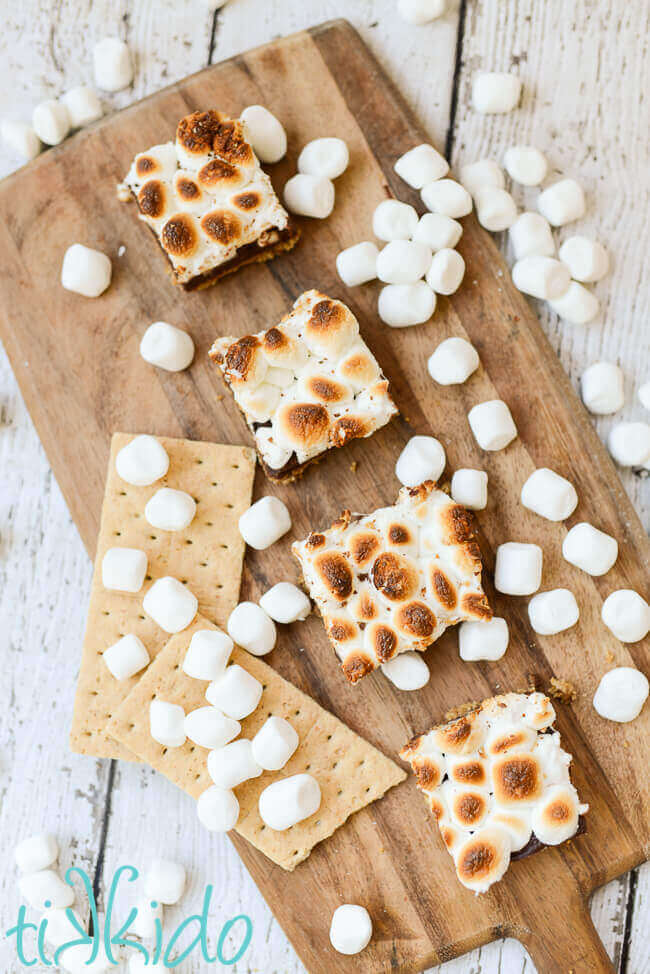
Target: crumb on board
<point x="610" y="656"/>
<point x="562" y="690"/>
<point x="353" y="466"/>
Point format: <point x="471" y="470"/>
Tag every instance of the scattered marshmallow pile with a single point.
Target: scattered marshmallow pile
<point x="311" y="191"/>
<point x="602" y="390"/>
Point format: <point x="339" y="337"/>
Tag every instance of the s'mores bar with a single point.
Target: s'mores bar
<point x="209" y="203"/>
<point x="394" y="580"/>
<point x="305" y="385"/>
<point x="497" y="782"/>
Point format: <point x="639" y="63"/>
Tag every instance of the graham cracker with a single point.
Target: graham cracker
<point x="351" y="773"/>
<point x="207" y="556"/>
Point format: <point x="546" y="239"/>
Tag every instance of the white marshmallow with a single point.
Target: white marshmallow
<point x="403" y="305"/>
<point x="469" y="488"/>
<point x="578" y="305"/>
<point x="492" y="424"/>
<point x="83" y="106"/>
<point x="325" y="157"/>
<point x="544" y="824"/>
<point x="495" y="92"/>
<point x="286" y="603"/>
<point x="423" y="458"/>
<point x="229" y="766"/>
<point x="208" y="654"/>
<point x="126" y="657"/>
<point x="21" y="139"/>
<point x="45" y="886"/>
<point x="36" y="853"/>
<point x="481" y="175"/>
<point x="554" y="611"/>
<point x="170" y="604"/>
<point x="602" y="388"/>
<point x="123" y="569"/>
<point x="60" y="929"/>
<point x="51" y="122"/>
<point x="453" y="361"/>
<point x="403" y="262"/>
<point x="251" y="628"/>
<point x="446" y="271"/>
<point x="437" y="231"/>
<point x="549" y="495"/>
<point x="621" y="694"/>
<point x="448" y="197"/>
<point x="590" y="549"/>
<point x="275" y="742"/>
<point x="144" y="925"/>
<point x="541" y="277"/>
<point x="644" y="395"/>
<point x="518" y="568"/>
<point x="483" y="640"/>
<point x="85" y="271"/>
<point x="170" y="510"/>
<point x="562" y="202"/>
<point x="112" y="64"/>
<point x="420" y="12"/>
<point x="164" y="881"/>
<point x="421" y="165"/>
<point x="351" y="927"/>
<point x="393" y="220"/>
<point x="531" y="236"/>
<point x="526" y="165"/>
<point x="236" y="693"/>
<point x="76" y="960"/>
<point x="407" y="671"/>
<point x="264" y="522"/>
<point x="629" y="444"/>
<point x="218" y="809"/>
<point x="167" y="723"/>
<point x="495" y="208"/>
<point x="289" y="801"/>
<point x="167" y="347"/>
<point x="265" y="133"/>
<point x="358" y="264"/>
<point x="142" y="461"/>
<point x="627" y="615"/>
<point x="208" y="727"/>
<point x="587" y="260"/>
<point x="309" y="195"/>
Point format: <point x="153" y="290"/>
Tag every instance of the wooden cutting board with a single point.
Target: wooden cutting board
<point x="81" y="375"/>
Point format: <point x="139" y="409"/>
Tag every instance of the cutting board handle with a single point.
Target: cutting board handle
<point x="562" y="939"/>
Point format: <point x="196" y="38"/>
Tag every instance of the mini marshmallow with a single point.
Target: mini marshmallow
<point x="526" y="165"/>
<point x="562" y="202"/>
<point x="587" y="260"/>
<point x="21" y="139"/>
<point x="164" y="881"/>
<point x="167" y="347"/>
<point x="264" y="522"/>
<point x="309" y="195"/>
<point x="482" y="174"/>
<point x="51" y="122"/>
<point x="358" y="264"/>
<point x="60" y="929"/>
<point x="229" y="766"/>
<point x="142" y="461"/>
<point x="423" y="458"/>
<point x="518" y="568"/>
<point x="393" y="220"/>
<point x="325" y="157"/>
<point x="275" y="742"/>
<point x="627" y="615"/>
<point x="601" y="387"/>
<point x="85" y="271"/>
<point x="421" y="165"/>
<point x="265" y="133"/>
<point x="403" y="305"/>
<point x="644" y="395"/>
<point x="577" y="305"/>
<point x="286" y="603"/>
<point x="123" y="569"/>
<point x="492" y="424"/>
<point x="469" y="488"/>
<point x="76" y="960"/>
<point x="549" y="495"/>
<point x="351" y="927"/>
<point x="483" y="640"/>
<point x="590" y="549"/>
<point x="495" y="208"/>
<point x="112" y="64"/>
<point x="438" y="231"/>
<point x="448" y="197"/>
<point x="252" y="629"/>
<point x="83" y="106"/>
<point x="170" y="604"/>
<point x="170" y="510"/>
<point x="126" y="657"/>
<point x="208" y="727"/>
<point x="555" y="818"/>
<point x="403" y="262"/>
<point x="531" y="236"/>
<point x="217" y="809"/>
<point x="621" y="694"/>
<point x="36" y="853"/>
<point x="554" y="611"/>
<point x="167" y="723"/>
<point x="495" y="92"/>
<point x="144" y="925"/>
<point x="289" y="801"/>
<point x="45" y="885"/>
<point x="407" y="671"/>
<point x="236" y="693"/>
<point x="446" y="271"/>
<point x="453" y="361"/>
<point x="541" y="277"/>
<point x="208" y="654"/>
<point x="629" y="444"/>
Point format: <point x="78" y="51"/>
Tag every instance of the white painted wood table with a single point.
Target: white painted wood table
<point x="586" y="72"/>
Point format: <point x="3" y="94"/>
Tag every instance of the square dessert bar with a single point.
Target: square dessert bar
<point x="394" y="580"/>
<point x="497" y="782"/>
<point x="305" y="385"/>
<point x="209" y="203"/>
